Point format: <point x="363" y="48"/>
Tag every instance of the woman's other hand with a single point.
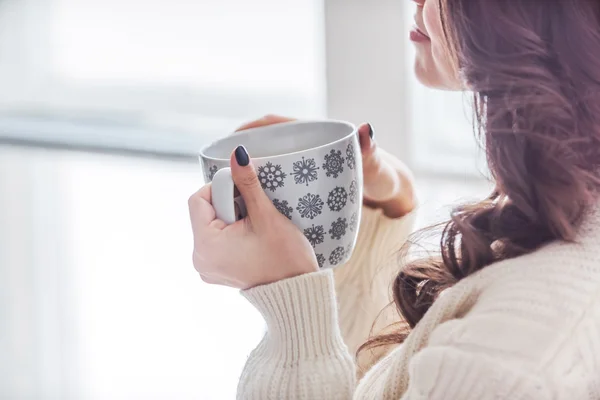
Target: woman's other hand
<point x="262" y="248"/>
<point x="388" y="183"/>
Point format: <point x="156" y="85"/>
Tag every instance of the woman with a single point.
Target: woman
<point x="510" y="309"/>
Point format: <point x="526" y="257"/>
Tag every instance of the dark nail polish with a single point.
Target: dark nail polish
<point x="371" y="133"/>
<point x="241" y="156"/>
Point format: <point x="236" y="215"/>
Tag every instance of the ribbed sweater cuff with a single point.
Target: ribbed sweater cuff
<point x="301" y="315"/>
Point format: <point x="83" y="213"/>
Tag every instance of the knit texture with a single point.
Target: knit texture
<point x="525" y="328"/>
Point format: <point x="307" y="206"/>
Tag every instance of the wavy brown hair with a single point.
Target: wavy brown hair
<point x="534" y="69"/>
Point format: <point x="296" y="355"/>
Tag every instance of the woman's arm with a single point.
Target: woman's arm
<point x="307" y="352"/>
<point x="363" y="284"/>
<point x="302" y="355"/>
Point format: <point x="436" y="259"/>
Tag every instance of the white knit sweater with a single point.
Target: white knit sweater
<point x="526" y="328"/>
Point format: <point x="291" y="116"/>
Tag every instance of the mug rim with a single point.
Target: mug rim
<point x="202" y="153"/>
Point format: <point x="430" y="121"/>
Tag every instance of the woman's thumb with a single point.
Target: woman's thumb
<point x="246" y="181"/>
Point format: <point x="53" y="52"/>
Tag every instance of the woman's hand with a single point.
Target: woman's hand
<point x="262" y="248"/>
<point x="388" y="183"/>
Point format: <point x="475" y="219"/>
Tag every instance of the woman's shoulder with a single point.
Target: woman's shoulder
<point x="542" y="307"/>
<point x="532" y="320"/>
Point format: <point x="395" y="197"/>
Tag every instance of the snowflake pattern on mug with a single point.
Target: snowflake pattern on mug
<point x="337" y="255"/>
<point x="283" y="207"/>
<point x="337" y="198"/>
<point x="271" y="176"/>
<point x="353" y="192"/>
<point x="350" y="156"/>
<point x="305" y="171"/>
<point x="320" y="260"/>
<point x="334" y="163"/>
<point x="353" y="222"/>
<point x="310" y="206"/>
<point x="212" y="171"/>
<point x="338" y="228"/>
<point x="315" y="234"/>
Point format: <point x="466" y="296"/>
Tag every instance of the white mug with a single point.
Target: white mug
<point x="310" y="170"/>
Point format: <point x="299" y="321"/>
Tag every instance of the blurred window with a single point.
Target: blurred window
<point x="121" y="73"/>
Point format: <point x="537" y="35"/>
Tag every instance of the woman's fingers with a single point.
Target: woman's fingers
<point x="202" y="213"/>
<point x="381" y="181"/>
<point x="365" y="137"/>
<point x="370" y="157"/>
<point x="265" y="121"/>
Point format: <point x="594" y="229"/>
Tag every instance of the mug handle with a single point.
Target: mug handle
<point x="228" y="207"/>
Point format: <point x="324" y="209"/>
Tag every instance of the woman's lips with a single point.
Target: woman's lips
<point x="417" y="35"/>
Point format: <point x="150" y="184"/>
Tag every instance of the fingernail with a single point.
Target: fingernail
<point x="371" y="133"/>
<point x="241" y="156"/>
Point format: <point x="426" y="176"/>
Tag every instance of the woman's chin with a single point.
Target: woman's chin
<point x="430" y="76"/>
<point x="426" y="75"/>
